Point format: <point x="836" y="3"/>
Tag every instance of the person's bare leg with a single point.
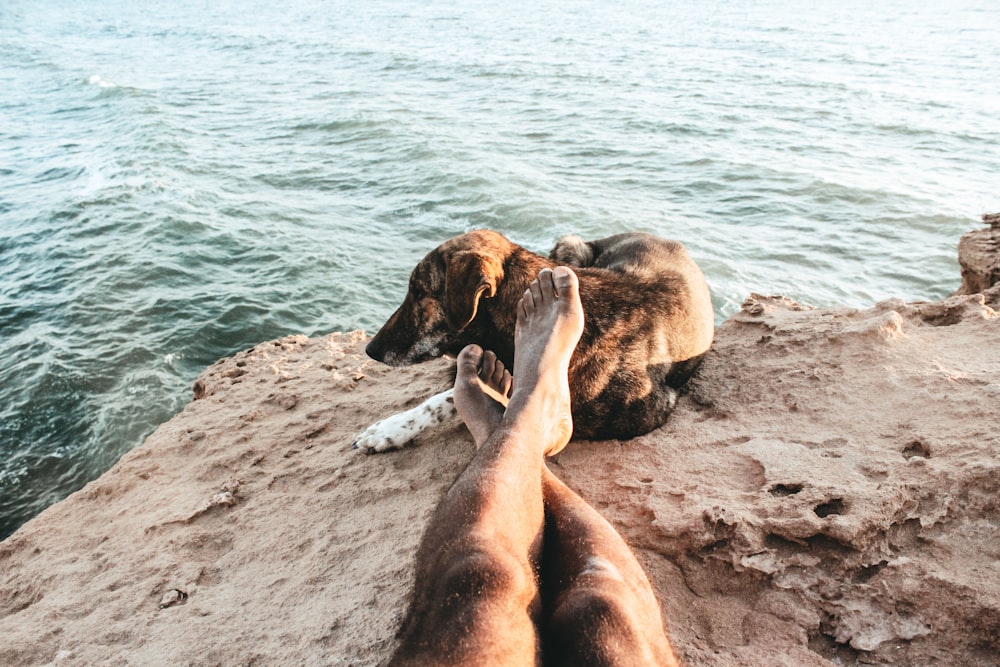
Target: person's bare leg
<point x="590" y="574"/>
<point x="476" y="598"/>
<point x="599" y="604"/>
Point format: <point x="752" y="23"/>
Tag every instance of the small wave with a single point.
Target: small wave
<point x="826" y="192"/>
<point x="343" y="125"/>
<point x="905" y="130"/>
<point x="98" y="80"/>
<point x="676" y="128"/>
<point x="110" y="89"/>
<point x="61" y="173"/>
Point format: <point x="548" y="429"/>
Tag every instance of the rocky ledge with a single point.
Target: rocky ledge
<point x="825" y="494"/>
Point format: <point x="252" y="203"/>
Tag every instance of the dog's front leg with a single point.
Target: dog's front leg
<point x="400" y="429"/>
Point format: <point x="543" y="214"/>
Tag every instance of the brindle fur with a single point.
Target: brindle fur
<point x="648" y="319"/>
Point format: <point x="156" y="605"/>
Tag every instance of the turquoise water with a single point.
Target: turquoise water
<point x="179" y="181"/>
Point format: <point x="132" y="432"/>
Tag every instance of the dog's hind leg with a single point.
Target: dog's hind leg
<point x="572" y="250"/>
<point x="615" y="413"/>
<point x="400" y="429"/>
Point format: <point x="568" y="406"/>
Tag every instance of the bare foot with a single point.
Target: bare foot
<point x="549" y="325"/>
<point x="482" y="385"/>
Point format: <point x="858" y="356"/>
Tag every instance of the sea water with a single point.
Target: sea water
<point x="182" y="180"/>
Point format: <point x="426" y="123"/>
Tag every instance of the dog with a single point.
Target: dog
<point x="648" y="324"/>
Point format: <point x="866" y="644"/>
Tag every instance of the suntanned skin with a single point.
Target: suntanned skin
<point x="515" y="568"/>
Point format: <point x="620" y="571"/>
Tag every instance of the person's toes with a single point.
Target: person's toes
<point x="469" y="361"/>
<point x="489" y="360"/>
<point x="528" y="300"/>
<point x="537" y="297"/>
<point x="494" y="374"/>
<point x="546" y="284"/>
<point x="501" y="380"/>
<point x="564" y="282"/>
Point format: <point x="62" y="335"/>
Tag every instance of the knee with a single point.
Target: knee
<point x="470" y="599"/>
<point x="483" y="575"/>
<point x="592" y="610"/>
<point x="590" y="626"/>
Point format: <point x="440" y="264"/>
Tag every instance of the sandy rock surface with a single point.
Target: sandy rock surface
<point x="825" y="494"/>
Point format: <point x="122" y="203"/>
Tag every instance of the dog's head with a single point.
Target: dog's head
<point x="442" y="302"/>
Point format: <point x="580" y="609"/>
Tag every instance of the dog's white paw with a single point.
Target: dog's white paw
<point x="385" y="435"/>
<point x="399" y="430"/>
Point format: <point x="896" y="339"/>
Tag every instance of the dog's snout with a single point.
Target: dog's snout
<point x="381" y="345"/>
<point x="374" y="349"/>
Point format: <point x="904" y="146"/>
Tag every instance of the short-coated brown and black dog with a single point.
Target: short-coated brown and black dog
<point x="648" y="323"/>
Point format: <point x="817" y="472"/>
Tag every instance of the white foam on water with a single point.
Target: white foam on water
<point x="98" y="80"/>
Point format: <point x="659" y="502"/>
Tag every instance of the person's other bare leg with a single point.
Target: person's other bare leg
<point x="476" y="599"/>
<point x="541" y="397"/>
<point x="600" y="606"/>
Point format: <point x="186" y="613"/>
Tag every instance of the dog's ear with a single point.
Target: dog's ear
<point x="469" y="276"/>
